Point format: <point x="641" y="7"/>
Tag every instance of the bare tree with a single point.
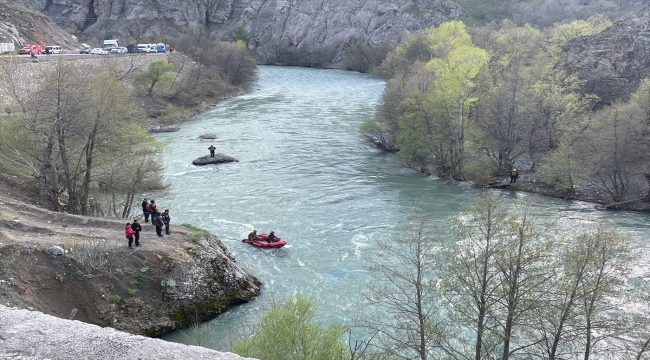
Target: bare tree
<point x="405" y="292"/>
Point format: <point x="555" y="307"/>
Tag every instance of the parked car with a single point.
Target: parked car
<point x="145" y="48"/>
<point x="161" y="48"/>
<point x="119" y="50"/>
<point x="85" y="49"/>
<point x="52" y="49"/>
<point x="132" y="48"/>
<point x="31" y="49"/>
<point x="98" y="51"/>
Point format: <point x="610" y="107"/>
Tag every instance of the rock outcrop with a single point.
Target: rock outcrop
<point x="217" y="159"/>
<point x="329" y="28"/>
<point x="21" y="25"/>
<point x="33" y="335"/>
<point x="163" y="285"/>
<point x="612" y="62"/>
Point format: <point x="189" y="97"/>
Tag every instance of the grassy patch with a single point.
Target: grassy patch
<point x="116" y="298"/>
<point x="174" y="114"/>
<point x="139" y="277"/>
<point x="198" y="232"/>
<point x="132" y="291"/>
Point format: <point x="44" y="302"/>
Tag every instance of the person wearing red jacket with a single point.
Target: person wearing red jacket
<point x="129" y="234"/>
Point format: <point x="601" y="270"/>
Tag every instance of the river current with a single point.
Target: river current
<point x="304" y="173"/>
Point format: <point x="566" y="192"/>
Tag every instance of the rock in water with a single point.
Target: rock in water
<point x="217" y="159"/>
<point x="207" y="137"/>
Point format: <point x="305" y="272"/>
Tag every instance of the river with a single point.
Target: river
<point x="303" y="172"/>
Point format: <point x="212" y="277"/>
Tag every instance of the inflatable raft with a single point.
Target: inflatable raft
<point x="261" y="242"/>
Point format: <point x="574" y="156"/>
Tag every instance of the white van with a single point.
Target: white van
<point x="52" y="49"/>
<point x="145" y="48"/>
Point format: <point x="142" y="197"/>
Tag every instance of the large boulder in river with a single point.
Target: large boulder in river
<point x="217" y="159"/>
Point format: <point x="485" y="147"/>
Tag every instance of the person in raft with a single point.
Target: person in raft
<point x="253" y="236"/>
<point x="514" y="175"/>
<point x="129" y="233"/>
<point x="212" y="149"/>
<point x="271" y="237"/>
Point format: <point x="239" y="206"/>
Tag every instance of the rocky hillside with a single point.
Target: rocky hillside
<point x="270" y="26"/>
<point x="613" y="62"/>
<point x="77" y="267"/>
<point x="21" y="25"/>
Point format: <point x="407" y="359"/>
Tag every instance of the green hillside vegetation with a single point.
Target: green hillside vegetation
<point x="473" y="105"/>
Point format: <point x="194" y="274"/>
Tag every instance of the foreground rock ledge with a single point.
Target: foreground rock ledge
<point x="217" y="159"/>
<point x="34" y="335"/>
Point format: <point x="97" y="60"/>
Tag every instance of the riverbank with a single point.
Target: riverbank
<point x="167" y="283"/>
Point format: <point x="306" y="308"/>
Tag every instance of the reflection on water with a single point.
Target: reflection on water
<point x="303" y="173"/>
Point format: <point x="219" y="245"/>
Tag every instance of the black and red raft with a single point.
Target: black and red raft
<point x="263" y="243"/>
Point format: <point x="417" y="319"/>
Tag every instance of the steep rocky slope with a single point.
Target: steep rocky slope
<point x="21" y="25"/>
<point x="268" y="25"/>
<point x="612" y="62"/>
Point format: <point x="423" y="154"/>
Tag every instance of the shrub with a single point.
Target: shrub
<point x="132" y="291"/>
<point x="116" y="298"/>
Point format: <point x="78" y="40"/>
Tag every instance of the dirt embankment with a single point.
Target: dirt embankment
<point x="165" y="284"/>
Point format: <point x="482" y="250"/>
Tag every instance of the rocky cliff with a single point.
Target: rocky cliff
<point x="78" y="267"/>
<point x="613" y="62"/>
<point x="21" y="25"/>
<point x="328" y="27"/>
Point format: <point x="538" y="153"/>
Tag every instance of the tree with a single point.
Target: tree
<point x="494" y="276"/>
<point x="288" y="331"/>
<point x="409" y="323"/>
<point x="158" y="73"/>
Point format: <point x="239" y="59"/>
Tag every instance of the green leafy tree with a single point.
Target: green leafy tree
<point x="288" y="331"/>
<point x="158" y="73"/>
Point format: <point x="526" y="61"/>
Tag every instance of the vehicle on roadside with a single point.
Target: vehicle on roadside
<point x="160" y="47"/>
<point x="119" y="50"/>
<point x="145" y="48"/>
<point x="31" y="49"/>
<point x="110" y="44"/>
<point x="132" y="48"/>
<point x="98" y="51"/>
<point x="52" y="49"/>
<point x="85" y="49"/>
<point x="7" y="48"/>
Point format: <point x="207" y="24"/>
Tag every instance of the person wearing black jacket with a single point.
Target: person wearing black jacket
<point x="157" y="222"/>
<point x="145" y="210"/>
<point x="165" y="219"/>
<point x="136" y="231"/>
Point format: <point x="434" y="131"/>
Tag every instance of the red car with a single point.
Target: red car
<point x="31" y="49"/>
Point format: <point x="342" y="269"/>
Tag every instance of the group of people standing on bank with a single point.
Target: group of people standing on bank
<point x="158" y="219"/>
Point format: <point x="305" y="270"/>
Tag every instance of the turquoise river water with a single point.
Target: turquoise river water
<point x="304" y="173"/>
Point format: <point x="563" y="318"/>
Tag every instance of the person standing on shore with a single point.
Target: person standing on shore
<point x="514" y="175"/>
<point x="157" y="222"/>
<point x="136" y="231"/>
<point x="212" y="149"/>
<point x="165" y="219"/>
<point x="129" y="233"/>
<point x="145" y="210"/>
